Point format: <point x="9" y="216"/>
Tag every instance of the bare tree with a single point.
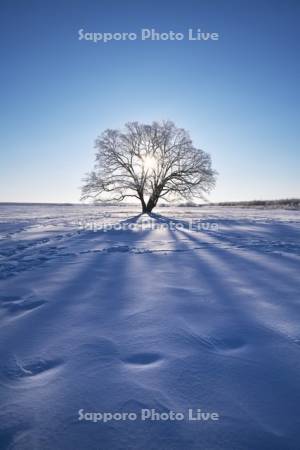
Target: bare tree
<point x="148" y="162"/>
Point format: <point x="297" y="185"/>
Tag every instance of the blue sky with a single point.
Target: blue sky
<point x="238" y="97"/>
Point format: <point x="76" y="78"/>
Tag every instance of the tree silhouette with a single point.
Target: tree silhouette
<point x="148" y="162"/>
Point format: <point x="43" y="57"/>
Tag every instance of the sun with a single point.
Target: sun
<point x="149" y="163"/>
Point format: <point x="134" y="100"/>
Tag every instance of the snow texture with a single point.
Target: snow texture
<point x="123" y="320"/>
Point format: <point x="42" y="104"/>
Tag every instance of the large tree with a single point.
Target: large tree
<point x="148" y="162"/>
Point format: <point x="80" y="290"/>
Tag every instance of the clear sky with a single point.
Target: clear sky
<point x="238" y="97"/>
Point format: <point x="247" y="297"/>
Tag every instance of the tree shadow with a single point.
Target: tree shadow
<point x="169" y="220"/>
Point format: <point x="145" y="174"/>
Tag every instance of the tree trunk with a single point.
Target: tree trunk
<point x="151" y="204"/>
<point x="144" y="206"/>
<point x="147" y="208"/>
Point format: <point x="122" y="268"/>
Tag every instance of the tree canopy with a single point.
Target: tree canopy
<point x="148" y="162"/>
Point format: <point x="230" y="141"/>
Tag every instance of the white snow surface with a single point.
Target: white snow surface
<point x="121" y="320"/>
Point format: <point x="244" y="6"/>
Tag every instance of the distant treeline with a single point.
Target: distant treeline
<point x="293" y="203"/>
<point x="287" y="203"/>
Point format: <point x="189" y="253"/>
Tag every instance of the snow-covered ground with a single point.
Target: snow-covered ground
<point x="149" y="317"/>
